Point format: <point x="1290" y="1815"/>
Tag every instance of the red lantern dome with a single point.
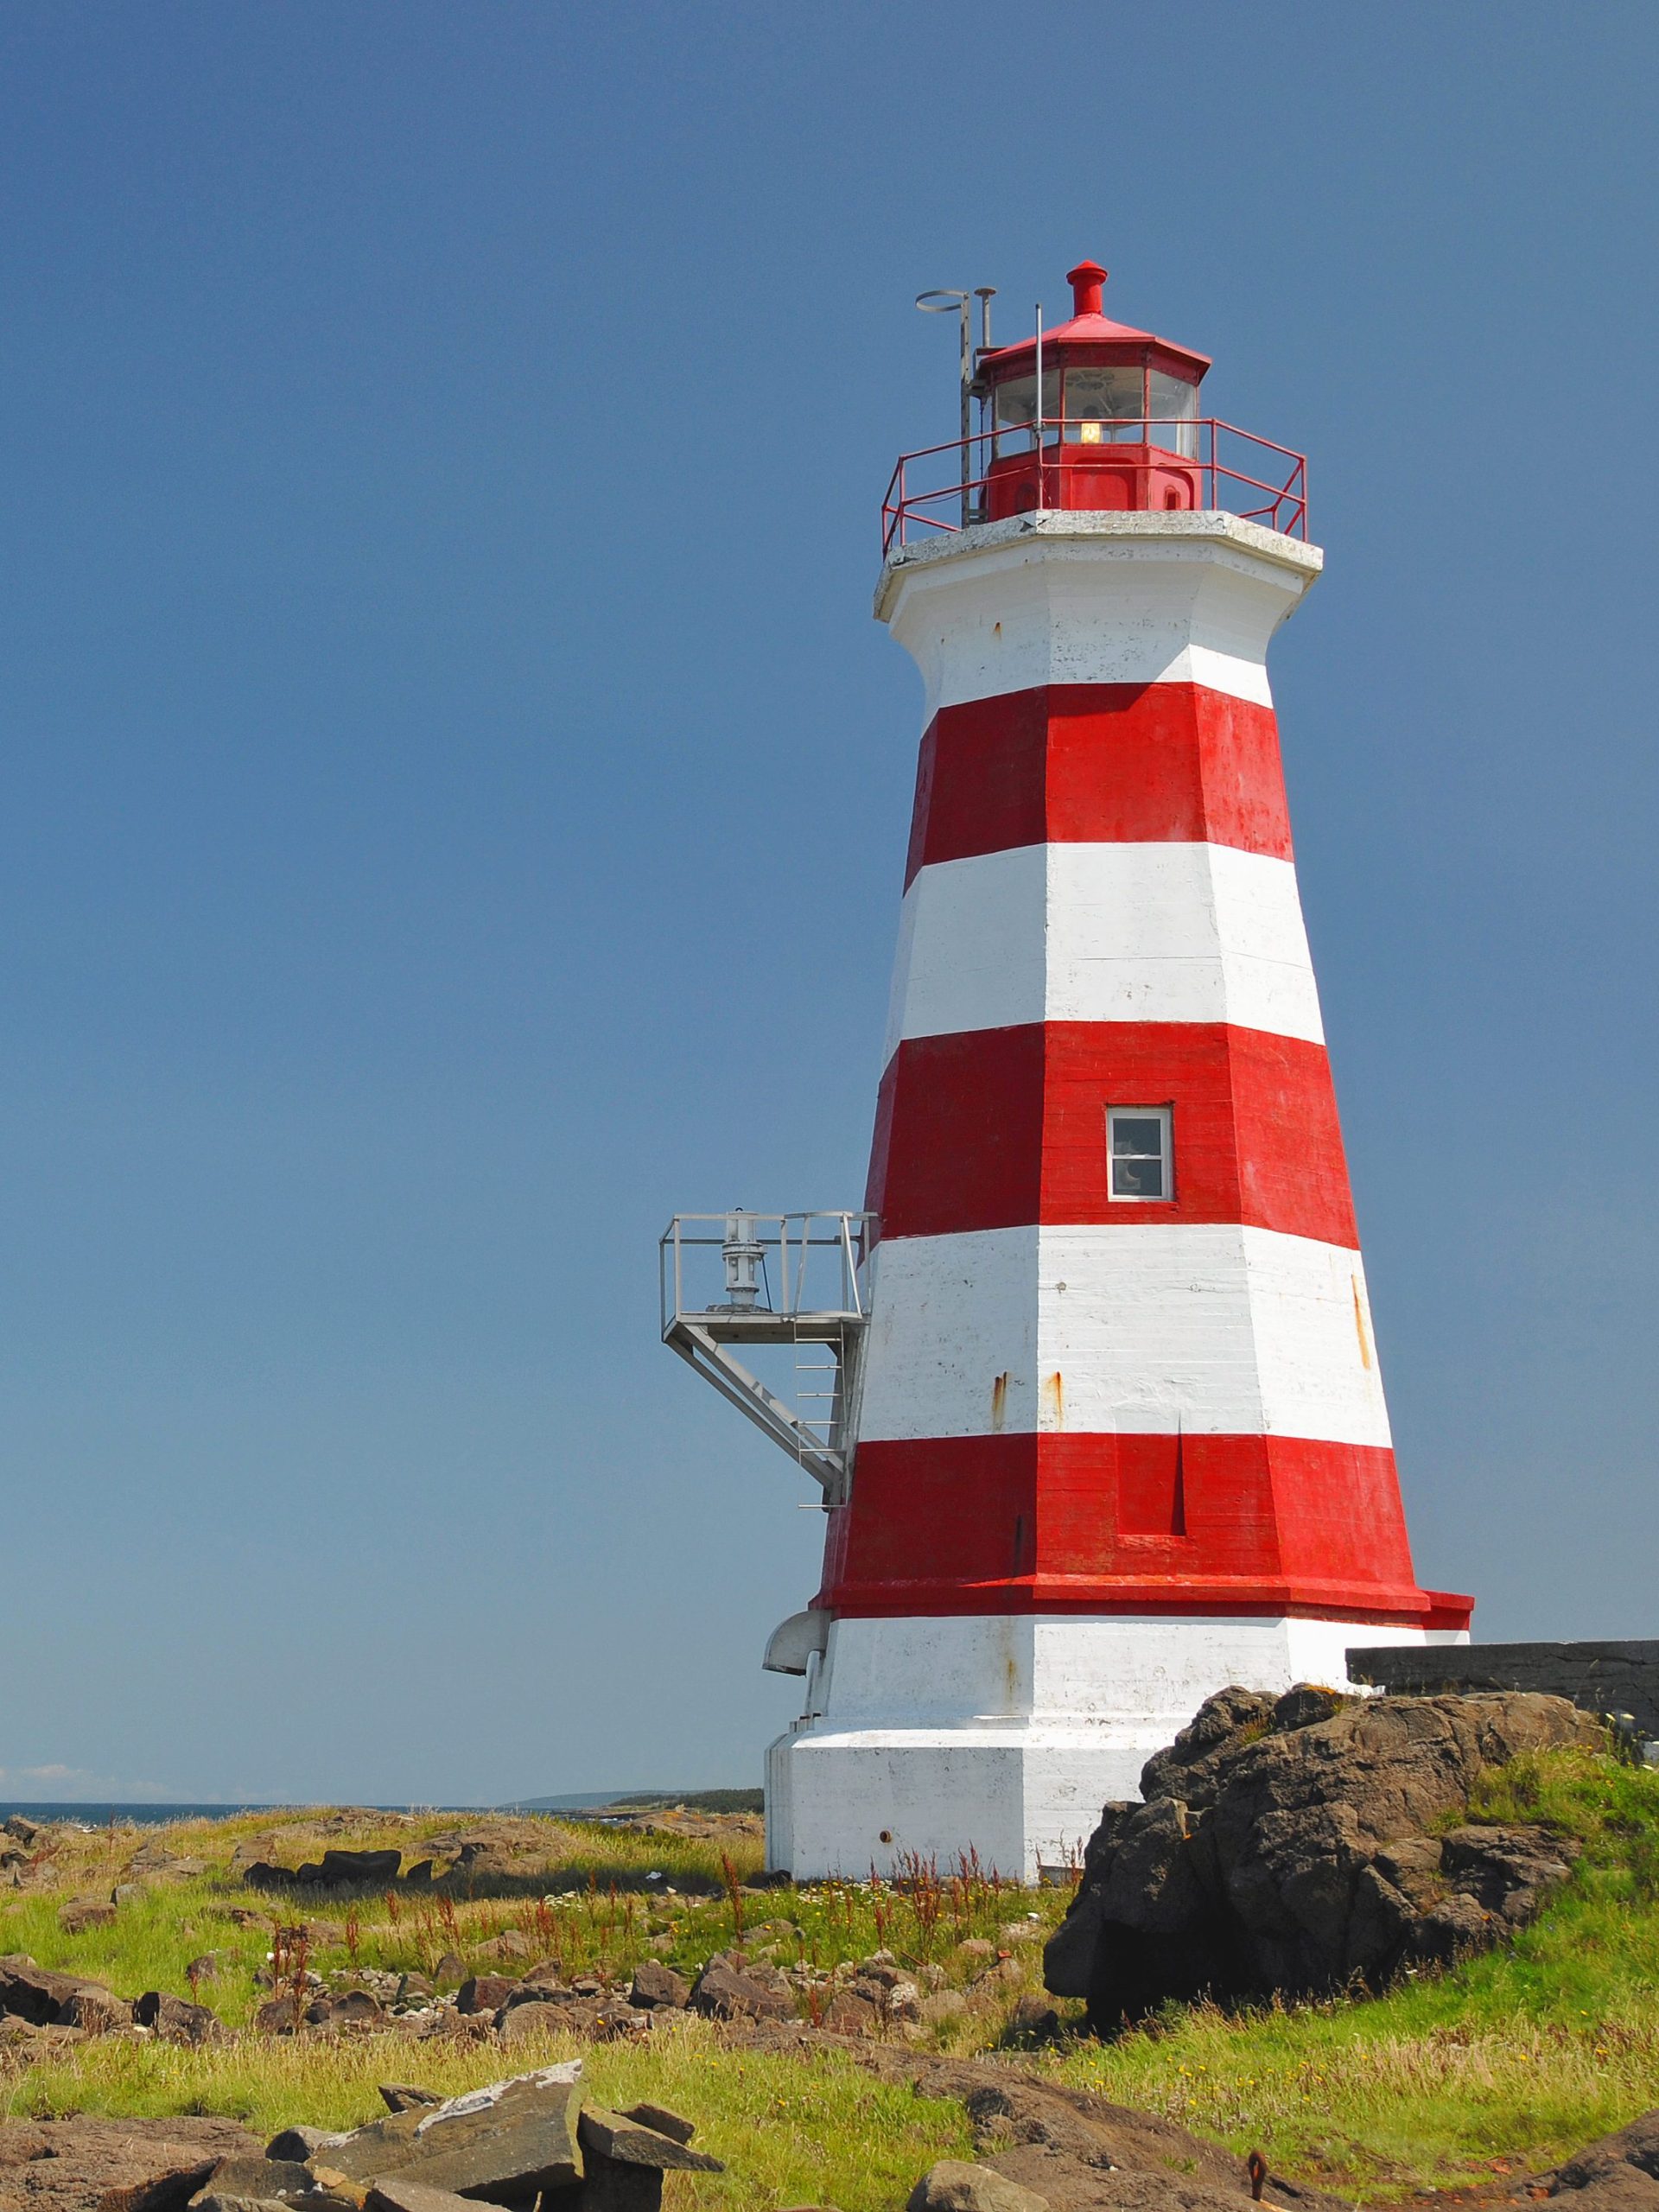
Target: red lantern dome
<point x="1114" y="424"/>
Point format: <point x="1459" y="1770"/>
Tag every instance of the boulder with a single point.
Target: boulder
<point x="174" y="2019"/>
<point x="654" y="1984"/>
<point x="404" y="2096"/>
<point x="246" y="2178"/>
<point x="82" y="1913"/>
<point x="483" y="1993"/>
<point x="664" y="2121"/>
<point x="397" y="2193"/>
<point x="603" y="2019"/>
<point x="97" y="2011"/>
<point x="34" y="1993"/>
<point x="630" y="2142"/>
<point x="954" y="2185"/>
<point x="347" y="2008"/>
<point x="215" y="2200"/>
<point x="729" y="1992"/>
<point x="301" y="2143"/>
<point x="505" y="2142"/>
<point x="850" y="2014"/>
<point x="1292" y="1845"/>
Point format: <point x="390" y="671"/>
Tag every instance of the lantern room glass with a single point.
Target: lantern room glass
<point x="1101" y="406"/>
<point x="1105" y="406"/>
<point x="1016" y="408"/>
<point x="1172" y="412"/>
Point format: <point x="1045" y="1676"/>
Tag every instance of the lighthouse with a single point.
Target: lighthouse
<point x="1102" y="1425"/>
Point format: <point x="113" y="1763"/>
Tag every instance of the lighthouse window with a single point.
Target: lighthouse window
<point x="1104" y="406"/>
<point x="1174" y="412"/>
<point x="1138" y="1139"/>
<point x="1016" y="405"/>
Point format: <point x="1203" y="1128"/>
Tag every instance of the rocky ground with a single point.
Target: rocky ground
<point x="534" y="2142"/>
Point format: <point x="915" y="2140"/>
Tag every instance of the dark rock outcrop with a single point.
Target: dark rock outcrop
<point x="1295" y="1845"/>
<point x="1620" y="2173"/>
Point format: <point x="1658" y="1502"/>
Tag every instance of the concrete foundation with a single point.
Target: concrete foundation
<point x="1005" y="1734"/>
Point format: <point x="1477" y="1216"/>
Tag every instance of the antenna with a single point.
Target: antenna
<point x="948" y="302"/>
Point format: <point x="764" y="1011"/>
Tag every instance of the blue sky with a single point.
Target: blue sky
<point x="456" y="798"/>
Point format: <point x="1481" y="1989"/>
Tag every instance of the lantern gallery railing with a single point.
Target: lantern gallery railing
<point x="1005" y="471"/>
<point x="791" y="1286"/>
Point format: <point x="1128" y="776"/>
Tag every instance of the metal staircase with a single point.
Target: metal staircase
<point x="791" y="1280"/>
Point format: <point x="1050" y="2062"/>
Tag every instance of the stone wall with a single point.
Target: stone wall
<point x="1601" y="1678"/>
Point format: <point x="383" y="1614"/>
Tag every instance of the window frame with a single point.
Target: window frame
<point x="1165" y="1116"/>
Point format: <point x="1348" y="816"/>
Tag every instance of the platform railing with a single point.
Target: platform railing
<point x="944" y="488"/>
<point x="790" y="1285"/>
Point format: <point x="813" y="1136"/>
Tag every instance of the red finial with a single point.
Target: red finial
<point x="1086" y="280"/>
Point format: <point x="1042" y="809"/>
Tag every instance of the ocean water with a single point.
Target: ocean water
<point x="100" y="1815"/>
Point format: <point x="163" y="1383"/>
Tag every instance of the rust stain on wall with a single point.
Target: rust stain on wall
<point x="1360" y="1330"/>
<point x="999" y="1403"/>
<point x="1053" y="1404"/>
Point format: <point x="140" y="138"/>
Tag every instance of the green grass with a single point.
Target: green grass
<point x="577" y="1893"/>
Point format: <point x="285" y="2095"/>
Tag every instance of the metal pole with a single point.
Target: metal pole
<point x="1042" y="487"/>
<point x="984" y="294"/>
<point x="967" y="407"/>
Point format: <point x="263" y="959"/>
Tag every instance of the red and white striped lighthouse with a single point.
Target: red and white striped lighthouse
<point x="1116" y="1434"/>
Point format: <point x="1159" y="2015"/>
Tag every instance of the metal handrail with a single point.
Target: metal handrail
<point x="793" y="1237"/>
<point x="1282" y="504"/>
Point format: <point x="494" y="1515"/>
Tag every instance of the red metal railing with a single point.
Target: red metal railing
<point x="944" y="488"/>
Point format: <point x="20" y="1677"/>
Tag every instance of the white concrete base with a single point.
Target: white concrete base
<point x="1005" y="1734"/>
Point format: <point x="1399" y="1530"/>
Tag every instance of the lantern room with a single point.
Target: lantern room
<point x="1092" y="415"/>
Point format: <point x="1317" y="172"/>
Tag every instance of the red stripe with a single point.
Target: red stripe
<point x="1065" y="1524"/>
<point x="996" y="1129"/>
<point x="1099" y="764"/>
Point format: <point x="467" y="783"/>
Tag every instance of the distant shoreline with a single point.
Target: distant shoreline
<point x="99" y="1813"/>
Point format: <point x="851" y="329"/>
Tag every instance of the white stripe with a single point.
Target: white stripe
<point x="1109" y="932"/>
<point x="1092" y="610"/>
<point x="1209" y="1328"/>
<point x="1007" y="1732"/>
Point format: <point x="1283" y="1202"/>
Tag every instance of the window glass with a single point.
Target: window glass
<point x="1138" y="1139"/>
<point x="1174" y="412"/>
<point x="1016" y="402"/>
<point x="1104" y="406"/>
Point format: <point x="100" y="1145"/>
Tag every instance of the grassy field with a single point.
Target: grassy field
<point x="1510" y="2062"/>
